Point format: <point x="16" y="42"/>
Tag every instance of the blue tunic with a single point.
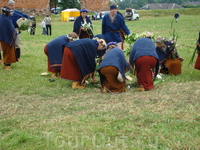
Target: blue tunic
<point x="7" y="31"/>
<point x="114" y="57"/>
<point x="55" y="50"/>
<point x="16" y="15"/>
<point x="85" y="51"/>
<point x="112" y="29"/>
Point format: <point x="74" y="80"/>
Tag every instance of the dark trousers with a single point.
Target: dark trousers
<point x="48" y="28"/>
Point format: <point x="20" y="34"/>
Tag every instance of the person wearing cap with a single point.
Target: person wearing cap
<point x="78" y="63"/>
<point x="79" y="23"/>
<point x="112" y="24"/>
<point x="7" y="38"/>
<point x="112" y="70"/>
<point x="14" y="17"/>
<point x="176" y="16"/>
<point x="169" y="59"/>
<point x="144" y="60"/>
<point x="54" y="51"/>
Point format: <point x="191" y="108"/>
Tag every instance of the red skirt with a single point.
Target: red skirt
<point x="143" y="66"/>
<point x="197" y="63"/>
<point x="111" y="83"/>
<point x="70" y="69"/>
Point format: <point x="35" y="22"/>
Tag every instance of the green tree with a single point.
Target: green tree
<point x="64" y="4"/>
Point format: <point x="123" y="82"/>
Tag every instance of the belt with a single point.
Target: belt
<point x="115" y="31"/>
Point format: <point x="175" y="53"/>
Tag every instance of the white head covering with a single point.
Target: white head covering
<point x="11" y="2"/>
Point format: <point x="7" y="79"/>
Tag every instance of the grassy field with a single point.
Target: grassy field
<point x="36" y="114"/>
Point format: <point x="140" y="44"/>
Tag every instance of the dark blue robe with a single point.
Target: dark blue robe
<point x="85" y="51"/>
<point x="114" y="57"/>
<point x="55" y="51"/>
<point x="7" y="31"/>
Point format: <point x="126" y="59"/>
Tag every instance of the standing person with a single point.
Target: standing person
<point x="79" y="60"/>
<point x="176" y="16"/>
<point x="112" y="70"/>
<point x="14" y="17"/>
<point x="81" y="23"/>
<point x="7" y="38"/>
<point x="95" y="14"/>
<point x="43" y="25"/>
<point x="54" y="51"/>
<point x="33" y="24"/>
<point x="197" y="63"/>
<point x="169" y="59"/>
<point x="143" y="58"/>
<point x="47" y="21"/>
<point x="112" y="24"/>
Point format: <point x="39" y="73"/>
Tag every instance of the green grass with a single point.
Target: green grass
<point x="36" y="114"/>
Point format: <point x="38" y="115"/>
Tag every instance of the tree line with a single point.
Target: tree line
<point x="122" y="4"/>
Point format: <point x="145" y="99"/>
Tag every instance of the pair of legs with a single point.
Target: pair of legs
<point x="144" y="66"/>
<point x="48" y="28"/>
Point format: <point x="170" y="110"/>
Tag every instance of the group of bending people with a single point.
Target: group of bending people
<point x="74" y="59"/>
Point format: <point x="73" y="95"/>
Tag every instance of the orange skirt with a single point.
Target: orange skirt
<point x="70" y="69"/>
<point x="111" y="83"/>
<point x="143" y="66"/>
<point x="197" y="63"/>
<point x="174" y="66"/>
<point x="9" y="54"/>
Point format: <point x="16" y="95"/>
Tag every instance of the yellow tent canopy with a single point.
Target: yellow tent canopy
<point x="69" y="13"/>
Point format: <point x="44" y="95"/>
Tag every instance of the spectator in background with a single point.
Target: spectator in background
<point x="47" y="21"/>
<point x="81" y="23"/>
<point x="112" y="24"/>
<point x="14" y="17"/>
<point x="176" y="16"/>
<point x="7" y="38"/>
<point x="43" y="25"/>
<point x="33" y="24"/>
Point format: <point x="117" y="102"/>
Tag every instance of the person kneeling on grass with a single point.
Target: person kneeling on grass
<point x="79" y="61"/>
<point x="169" y="59"/>
<point x="112" y="70"/>
<point x="143" y="58"/>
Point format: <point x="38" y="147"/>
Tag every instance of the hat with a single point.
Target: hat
<point x="11" y="2"/>
<point x="83" y="10"/>
<point x="113" y="7"/>
<point x="111" y="43"/>
<point x="6" y="9"/>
